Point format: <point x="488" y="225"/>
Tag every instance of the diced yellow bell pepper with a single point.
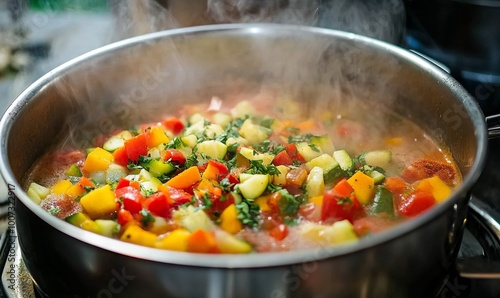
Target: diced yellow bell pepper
<point x="364" y="187"/>
<point x="211" y="172"/>
<point x="439" y="189"/>
<point x="135" y="234"/>
<point x="395" y="141"/>
<point x="98" y="160"/>
<point x="99" y="202"/>
<point x="61" y="187"/>
<point x="176" y="240"/>
<point x="229" y="221"/>
<point x="262" y="203"/>
<point x="318" y="201"/>
<point x="156" y="136"/>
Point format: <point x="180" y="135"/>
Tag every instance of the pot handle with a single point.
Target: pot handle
<point x="493" y="124"/>
<point x="482" y="267"/>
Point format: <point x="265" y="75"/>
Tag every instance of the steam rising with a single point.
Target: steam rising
<point x="139" y="84"/>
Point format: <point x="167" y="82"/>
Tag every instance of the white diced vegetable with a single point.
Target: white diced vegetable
<point x="307" y="151"/>
<point x="253" y="186"/>
<point x="315" y="185"/>
<point x="212" y="148"/>
<point x="117" y="141"/>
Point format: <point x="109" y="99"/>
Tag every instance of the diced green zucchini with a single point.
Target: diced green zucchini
<point x="115" y="172"/>
<point x="382" y="202"/>
<point x="242" y="109"/>
<point x="190" y="140"/>
<point x="83" y="221"/>
<point x="193" y="219"/>
<point x="324" y="143"/>
<point x="253" y="185"/>
<point x="197" y="117"/>
<point x="222" y="119"/>
<point x="106" y="227"/>
<point x="212" y="149"/>
<point x="212" y="131"/>
<point x="150" y="186"/>
<point x="280" y="179"/>
<point x="344" y="160"/>
<point x="307" y="151"/>
<point x="196" y="129"/>
<point x="37" y="192"/>
<point x="99" y="177"/>
<point x="315" y="185"/>
<point x="117" y="141"/>
<point x="377" y="176"/>
<point x="253" y="133"/>
<point x="73" y="171"/>
<point x="331" y="168"/>
<point x="238" y="140"/>
<point x="377" y="158"/>
<point x="158" y="167"/>
<point x="251" y="154"/>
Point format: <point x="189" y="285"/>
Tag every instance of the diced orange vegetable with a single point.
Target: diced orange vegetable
<point x="176" y="240"/>
<point x="75" y="191"/>
<point x="307" y="126"/>
<point x="209" y="186"/>
<point x="85" y="182"/>
<point x="135" y="234"/>
<point x="343" y="189"/>
<point x="211" y="172"/>
<point x="120" y="156"/>
<point x="436" y="186"/>
<point x="185" y="179"/>
<point x="156" y="136"/>
<point x="201" y="241"/>
<point x="99" y="203"/>
<point x="296" y="177"/>
<point x="135" y="184"/>
<point x="98" y="160"/>
<point x="61" y="187"/>
<point x="229" y="221"/>
<point x="364" y="187"/>
<point x="395" y="185"/>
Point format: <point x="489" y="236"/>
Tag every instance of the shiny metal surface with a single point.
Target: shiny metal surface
<point x="134" y="80"/>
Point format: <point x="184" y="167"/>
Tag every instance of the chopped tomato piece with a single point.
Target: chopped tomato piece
<point x="220" y="203"/>
<point x="174" y="125"/>
<point x="282" y="159"/>
<point x="122" y="183"/>
<point x="85" y="182"/>
<point x="294" y="154"/>
<point x="339" y="208"/>
<point x="174" y="156"/>
<point x="416" y="203"/>
<point x="175" y="196"/>
<point x="279" y="232"/>
<point x="136" y="147"/>
<point x="124" y="217"/>
<point x="131" y="198"/>
<point x="158" y="205"/>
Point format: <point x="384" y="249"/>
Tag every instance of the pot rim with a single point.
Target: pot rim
<point x="260" y="259"/>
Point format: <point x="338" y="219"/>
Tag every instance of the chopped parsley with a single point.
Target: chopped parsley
<point x="147" y="217"/>
<point x="248" y="213"/>
<point x="257" y="167"/>
<point x="54" y="210"/>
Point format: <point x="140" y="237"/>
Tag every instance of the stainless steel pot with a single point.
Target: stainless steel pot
<point x="136" y="79"/>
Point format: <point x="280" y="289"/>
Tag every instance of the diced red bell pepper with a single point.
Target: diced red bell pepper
<point x="124" y="217"/>
<point x="339" y="208"/>
<point x="282" y="159"/>
<point x="131" y="197"/>
<point x="136" y="147"/>
<point x="120" y="156"/>
<point x="220" y="203"/>
<point x="158" y="205"/>
<point x="174" y="156"/>
<point x="416" y="203"/>
<point x="223" y="170"/>
<point x="279" y="232"/>
<point x="122" y="183"/>
<point x="294" y="154"/>
<point x="175" y="196"/>
<point x="174" y="125"/>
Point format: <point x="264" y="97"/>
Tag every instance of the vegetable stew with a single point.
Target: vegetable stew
<point x="251" y="176"/>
